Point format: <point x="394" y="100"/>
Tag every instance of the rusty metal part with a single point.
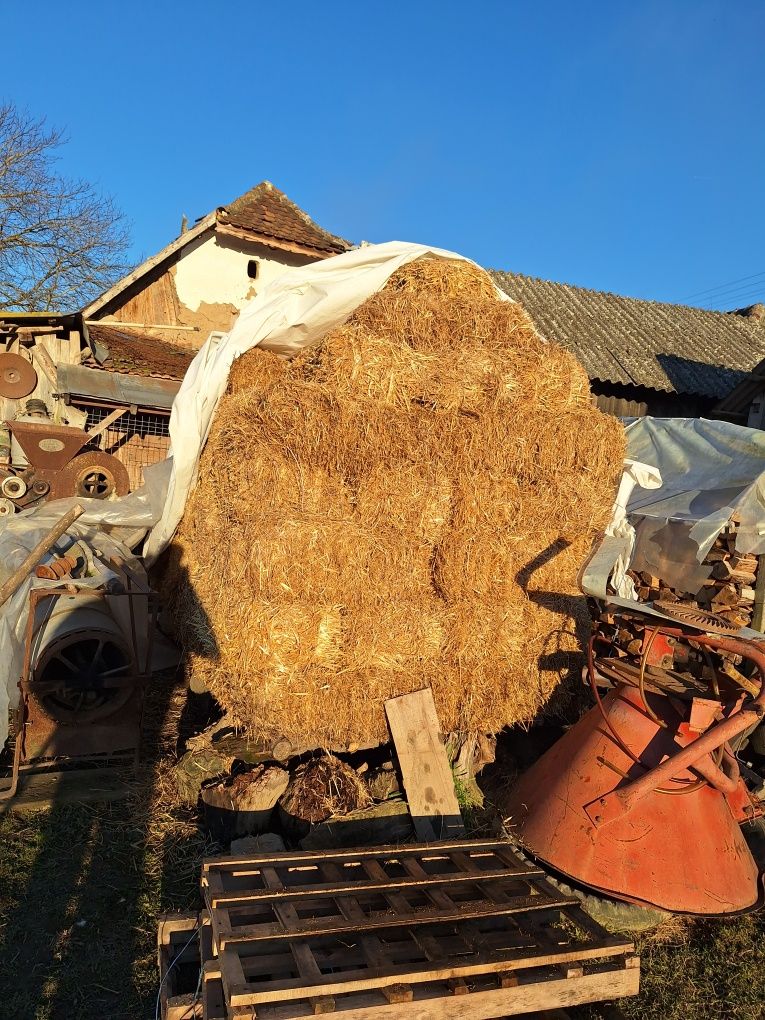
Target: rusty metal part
<point x="48" y="447"/>
<point x="106" y="728"/>
<point x="7" y="507"/>
<point x="57" y="568"/>
<point x="595" y="808"/>
<point x="13" y="487"/>
<point x="92" y="475"/>
<point x="17" y="376"/>
<point x="691" y="616"/>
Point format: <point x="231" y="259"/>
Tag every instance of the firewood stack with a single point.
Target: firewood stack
<point x="729" y="592"/>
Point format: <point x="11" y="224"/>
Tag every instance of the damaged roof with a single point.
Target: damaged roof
<point x="131" y="353"/>
<point x="673" y="348"/>
<point x="267" y="212"/>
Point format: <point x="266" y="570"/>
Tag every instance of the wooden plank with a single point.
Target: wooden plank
<point x="424" y="766"/>
<point x="294" y="989"/>
<point x="377" y="921"/>
<point x="498" y="1002"/>
<point x="104" y="424"/>
<point x="306" y="964"/>
<point x="393" y="852"/>
<point x="381" y="883"/>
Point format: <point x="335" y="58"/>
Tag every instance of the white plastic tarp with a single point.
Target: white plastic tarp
<point x="710" y="470"/>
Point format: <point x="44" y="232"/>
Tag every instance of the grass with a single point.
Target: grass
<point x="82" y="886"/>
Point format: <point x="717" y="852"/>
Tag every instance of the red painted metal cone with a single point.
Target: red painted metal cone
<point x="683" y="853"/>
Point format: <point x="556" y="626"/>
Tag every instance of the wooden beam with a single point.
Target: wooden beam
<point x="273" y="242"/>
<point x="140" y="325"/>
<point x="425" y="769"/>
<point x="104" y="424"/>
<point x="35" y="555"/>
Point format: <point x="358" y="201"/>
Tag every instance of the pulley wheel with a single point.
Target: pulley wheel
<point x="82" y="678"/>
<point x="92" y="475"/>
<point x="13" y="487"/>
<point x="696" y="618"/>
<point x="17" y="377"/>
<point x="7" y="509"/>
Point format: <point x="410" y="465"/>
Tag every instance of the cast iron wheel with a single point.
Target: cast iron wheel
<point x="75" y="680"/>
<point x="95" y="483"/>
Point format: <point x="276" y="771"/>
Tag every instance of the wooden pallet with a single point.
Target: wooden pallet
<point x="441" y="930"/>
<point x="178" y="957"/>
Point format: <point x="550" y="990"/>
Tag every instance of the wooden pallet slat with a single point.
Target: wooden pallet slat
<point x="218" y="896"/>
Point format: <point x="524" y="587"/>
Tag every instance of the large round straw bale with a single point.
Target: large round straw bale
<point x="405" y="504"/>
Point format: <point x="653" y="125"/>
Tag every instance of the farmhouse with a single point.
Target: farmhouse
<point x="199" y="282"/>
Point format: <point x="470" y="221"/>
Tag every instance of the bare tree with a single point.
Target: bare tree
<point x="61" y="242"/>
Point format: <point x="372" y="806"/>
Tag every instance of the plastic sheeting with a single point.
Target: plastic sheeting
<point x="20" y="535"/>
<point x="710" y="471"/>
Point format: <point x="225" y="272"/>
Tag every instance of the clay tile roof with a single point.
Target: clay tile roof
<point x="133" y="353"/>
<point x="268" y="213"/>
<point x="660" y="346"/>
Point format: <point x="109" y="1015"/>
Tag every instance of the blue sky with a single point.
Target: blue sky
<point x="615" y="145"/>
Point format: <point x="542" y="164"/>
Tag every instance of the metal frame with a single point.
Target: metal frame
<point x="92" y="749"/>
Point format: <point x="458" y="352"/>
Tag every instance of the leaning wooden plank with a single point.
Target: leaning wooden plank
<point x="36" y="554"/>
<point x="486" y="1004"/>
<point x="291" y="989"/>
<point x="424" y="766"/>
<point x="104" y="424"/>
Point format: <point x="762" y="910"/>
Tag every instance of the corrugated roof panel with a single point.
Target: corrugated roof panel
<point x="624" y="340"/>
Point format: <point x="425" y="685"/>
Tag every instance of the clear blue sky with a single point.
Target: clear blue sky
<point x="616" y="145"/>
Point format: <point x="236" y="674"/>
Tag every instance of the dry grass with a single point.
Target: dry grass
<point x="407" y="503"/>
<point x="325" y="787"/>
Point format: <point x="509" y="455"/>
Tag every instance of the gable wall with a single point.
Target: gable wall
<point x="204" y="287"/>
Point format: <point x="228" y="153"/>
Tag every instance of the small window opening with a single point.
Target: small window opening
<point x="252" y="269"/>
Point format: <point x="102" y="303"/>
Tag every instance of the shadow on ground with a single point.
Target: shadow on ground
<point x="81" y="886"/>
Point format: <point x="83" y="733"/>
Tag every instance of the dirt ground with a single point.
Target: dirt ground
<point x="81" y="887"/>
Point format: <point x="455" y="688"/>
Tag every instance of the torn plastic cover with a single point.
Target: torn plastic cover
<point x="710" y="471"/>
<point x="114" y="527"/>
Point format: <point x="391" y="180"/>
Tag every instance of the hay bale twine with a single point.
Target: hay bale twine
<point x="406" y="503"/>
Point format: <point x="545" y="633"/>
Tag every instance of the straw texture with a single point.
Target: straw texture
<point x="406" y="504"/>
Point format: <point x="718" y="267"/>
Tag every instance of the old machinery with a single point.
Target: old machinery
<point x="17" y="376"/>
<point x="40" y="459"/>
<point x="92" y="475"/>
<point x="87" y="658"/>
<point x="644" y="798"/>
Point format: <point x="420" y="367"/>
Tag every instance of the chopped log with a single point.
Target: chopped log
<point x="244" y="805"/>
